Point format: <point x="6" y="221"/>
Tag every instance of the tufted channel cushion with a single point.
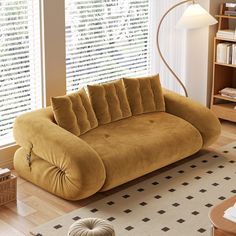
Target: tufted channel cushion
<point x="74" y="112"/>
<point x="144" y="94"/>
<point x="109" y="102"/>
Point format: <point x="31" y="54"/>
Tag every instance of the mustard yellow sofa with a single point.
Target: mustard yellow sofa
<point x="75" y="167"/>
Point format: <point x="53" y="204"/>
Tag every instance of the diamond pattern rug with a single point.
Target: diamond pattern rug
<point x="175" y="202"/>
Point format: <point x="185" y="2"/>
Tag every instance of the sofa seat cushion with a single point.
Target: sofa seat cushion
<point x="137" y="145"/>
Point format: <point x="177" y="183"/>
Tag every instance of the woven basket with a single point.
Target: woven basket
<point x="8" y="190"/>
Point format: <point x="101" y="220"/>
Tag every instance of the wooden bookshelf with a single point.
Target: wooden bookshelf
<point x="224" y="75"/>
<point x="225" y="16"/>
<point x="222" y="64"/>
<point x="225" y="40"/>
<point x="225" y="98"/>
<point x="225" y="111"/>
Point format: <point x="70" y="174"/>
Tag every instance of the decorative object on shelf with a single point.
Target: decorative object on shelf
<point x="91" y="227"/>
<point x="230" y="9"/>
<point x="194" y="17"/>
<point x="7" y="186"/>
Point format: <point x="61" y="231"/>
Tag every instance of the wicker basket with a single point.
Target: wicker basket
<point x="8" y="190"/>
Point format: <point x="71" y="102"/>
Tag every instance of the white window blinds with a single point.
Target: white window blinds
<point x="106" y="40"/>
<point x="20" y="66"/>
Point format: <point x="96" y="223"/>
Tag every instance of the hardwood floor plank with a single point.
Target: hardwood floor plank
<point x="16" y="221"/>
<point x="20" y="208"/>
<point x="41" y="217"/>
<point x="41" y="206"/>
<point x="8" y="230"/>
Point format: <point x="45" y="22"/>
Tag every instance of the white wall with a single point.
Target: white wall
<point x="172" y="42"/>
<point x="197" y="61"/>
<point x="53" y="31"/>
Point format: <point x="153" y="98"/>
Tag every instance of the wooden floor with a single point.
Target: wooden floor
<point x="35" y="206"/>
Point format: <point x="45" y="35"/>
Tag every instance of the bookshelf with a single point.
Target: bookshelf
<point x="224" y="75"/>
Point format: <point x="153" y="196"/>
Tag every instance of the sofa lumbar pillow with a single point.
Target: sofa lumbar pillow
<point x="109" y="101"/>
<point x="74" y="112"/>
<point x="144" y="94"/>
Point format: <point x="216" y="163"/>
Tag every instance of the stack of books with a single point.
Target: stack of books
<point x="226" y="53"/>
<point x="229" y="34"/>
<point x="230" y="9"/>
<point x="228" y="92"/>
<point x="4" y="174"/>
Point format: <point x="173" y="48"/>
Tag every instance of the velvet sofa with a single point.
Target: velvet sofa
<point x="75" y="166"/>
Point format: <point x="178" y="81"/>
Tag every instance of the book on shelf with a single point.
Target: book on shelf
<point x="226" y="53"/>
<point x="231" y="5"/>
<point x="229" y="34"/>
<point x="234" y="54"/>
<point x="230" y="8"/>
<point x="4" y="174"/>
<point x="229" y="54"/>
<point x="228" y="92"/>
<point x="230" y="13"/>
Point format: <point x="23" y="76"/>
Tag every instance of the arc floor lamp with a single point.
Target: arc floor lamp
<point x="194" y="17"/>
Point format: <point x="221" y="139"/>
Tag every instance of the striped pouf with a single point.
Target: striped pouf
<point x="91" y="227"/>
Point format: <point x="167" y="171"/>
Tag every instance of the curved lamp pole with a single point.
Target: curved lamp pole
<point x="159" y="49"/>
<point x="194" y="17"/>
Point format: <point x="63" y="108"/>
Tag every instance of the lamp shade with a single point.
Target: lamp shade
<point x="194" y="17"/>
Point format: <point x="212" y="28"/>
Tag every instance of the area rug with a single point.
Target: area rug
<point x="175" y="202"/>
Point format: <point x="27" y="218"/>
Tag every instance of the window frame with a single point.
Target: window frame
<point x="27" y="72"/>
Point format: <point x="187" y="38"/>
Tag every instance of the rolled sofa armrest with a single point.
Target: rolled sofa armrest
<point x="76" y="170"/>
<point x="202" y="118"/>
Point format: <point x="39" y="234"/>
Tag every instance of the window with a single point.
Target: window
<point x="106" y="40"/>
<point x="20" y="63"/>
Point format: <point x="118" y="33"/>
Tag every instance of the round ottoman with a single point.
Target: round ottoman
<point x="91" y="227"/>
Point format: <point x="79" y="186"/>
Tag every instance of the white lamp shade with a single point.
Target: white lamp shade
<point x="194" y="17"/>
